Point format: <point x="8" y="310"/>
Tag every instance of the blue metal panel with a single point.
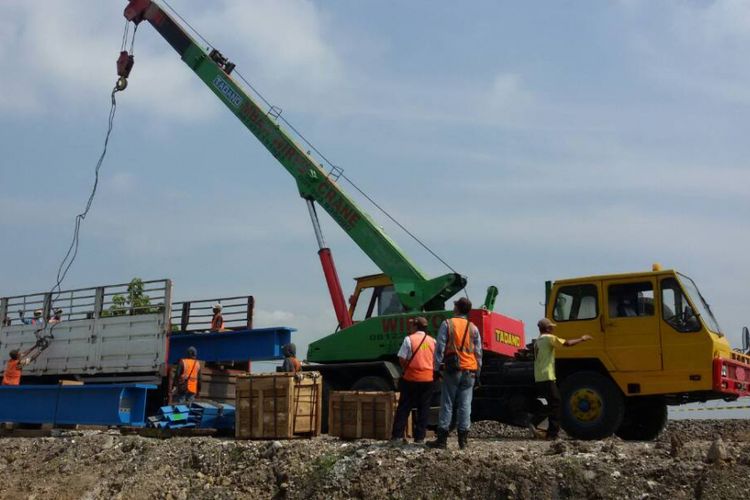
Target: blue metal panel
<point x="259" y="344"/>
<point x="95" y="404"/>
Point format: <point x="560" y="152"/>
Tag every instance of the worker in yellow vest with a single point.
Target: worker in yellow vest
<point x="187" y="381"/>
<point x="544" y="372"/>
<point x="459" y="351"/>
<point x="417" y="357"/>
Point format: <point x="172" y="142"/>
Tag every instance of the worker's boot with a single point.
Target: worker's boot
<point x="463" y="439"/>
<point x="441" y="442"/>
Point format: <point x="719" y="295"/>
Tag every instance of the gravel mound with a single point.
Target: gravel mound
<point x="500" y="463"/>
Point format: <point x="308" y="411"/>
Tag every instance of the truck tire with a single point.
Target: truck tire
<point x="372" y="383"/>
<point x="645" y="418"/>
<point x="592" y="406"/>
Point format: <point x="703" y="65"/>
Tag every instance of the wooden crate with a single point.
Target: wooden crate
<point x="217" y="384"/>
<point x="278" y="405"/>
<point x="362" y="414"/>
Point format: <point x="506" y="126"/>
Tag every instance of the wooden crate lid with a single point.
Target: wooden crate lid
<point x="304" y="375"/>
<point x="364" y="394"/>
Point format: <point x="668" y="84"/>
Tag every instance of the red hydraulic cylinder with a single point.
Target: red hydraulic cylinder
<point x="334" y="287"/>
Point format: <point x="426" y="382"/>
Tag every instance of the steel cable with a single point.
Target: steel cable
<point x="72" y="252"/>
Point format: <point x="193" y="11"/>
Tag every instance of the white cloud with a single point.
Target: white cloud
<point x="123" y="182"/>
<point x="51" y="54"/>
<point x="274" y="317"/>
<point x="284" y="40"/>
<point x="697" y="47"/>
<point x="508" y="94"/>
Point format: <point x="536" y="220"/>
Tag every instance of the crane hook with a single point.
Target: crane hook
<point x="124" y="65"/>
<point x="121" y="84"/>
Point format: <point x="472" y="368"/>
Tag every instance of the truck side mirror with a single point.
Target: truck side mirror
<point x="745" y="339"/>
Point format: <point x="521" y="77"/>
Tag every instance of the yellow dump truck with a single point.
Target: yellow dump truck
<point x="655" y="343"/>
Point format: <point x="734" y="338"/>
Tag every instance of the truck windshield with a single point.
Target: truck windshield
<point x="703" y="308"/>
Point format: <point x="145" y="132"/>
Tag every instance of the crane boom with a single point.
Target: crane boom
<point x="415" y="290"/>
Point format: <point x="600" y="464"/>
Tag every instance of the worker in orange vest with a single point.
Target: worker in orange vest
<point x="187" y="380"/>
<point x="12" y="375"/>
<point x="217" y="322"/>
<point x="291" y="363"/>
<point x="416" y="357"/>
<point x="459" y="351"/>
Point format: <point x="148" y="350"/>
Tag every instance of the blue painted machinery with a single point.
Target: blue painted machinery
<point x="95" y="404"/>
<point x="199" y="415"/>
<point x="259" y="344"/>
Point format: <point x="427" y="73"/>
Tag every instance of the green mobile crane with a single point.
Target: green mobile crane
<point x="360" y="354"/>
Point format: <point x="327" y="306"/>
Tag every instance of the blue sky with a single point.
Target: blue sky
<point x="522" y="141"/>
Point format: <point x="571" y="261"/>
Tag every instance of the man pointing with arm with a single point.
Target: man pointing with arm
<point x="544" y="371"/>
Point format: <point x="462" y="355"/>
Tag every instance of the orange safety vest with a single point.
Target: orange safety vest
<point x="12" y="375"/>
<point x="456" y="328"/>
<point x="217" y="323"/>
<point x="422" y="364"/>
<point x="190" y="371"/>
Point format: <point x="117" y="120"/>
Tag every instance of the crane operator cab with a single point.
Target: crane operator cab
<point x="374" y="295"/>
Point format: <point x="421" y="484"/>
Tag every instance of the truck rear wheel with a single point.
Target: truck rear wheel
<point x="592" y="406"/>
<point x="645" y="418"/>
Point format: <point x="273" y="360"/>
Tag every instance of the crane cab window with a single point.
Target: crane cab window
<point x="365" y="304"/>
<point x="630" y="300"/>
<point x="576" y="302"/>
<point x="376" y="301"/>
<point x="388" y="302"/>
<point x="675" y="308"/>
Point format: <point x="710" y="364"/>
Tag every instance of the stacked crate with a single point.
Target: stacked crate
<point x="278" y="405"/>
<point x="217" y="384"/>
<point x="362" y="414"/>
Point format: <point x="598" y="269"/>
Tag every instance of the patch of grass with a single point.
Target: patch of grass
<point x="323" y="465"/>
<point x="236" y="454"/>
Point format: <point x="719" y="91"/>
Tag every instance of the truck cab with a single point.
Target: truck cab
<point x="655" y="342"/>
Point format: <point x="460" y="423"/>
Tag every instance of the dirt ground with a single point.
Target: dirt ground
<point x="692" y="459"/>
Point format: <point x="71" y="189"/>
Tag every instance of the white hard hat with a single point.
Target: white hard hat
<point x="218" y="306"/>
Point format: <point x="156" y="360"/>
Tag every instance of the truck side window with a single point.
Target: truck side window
<point x="576" y="302"/>
<point x="631" y="300"/>
<point x="675" y="308"/>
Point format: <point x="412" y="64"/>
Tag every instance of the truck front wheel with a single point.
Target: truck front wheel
<point x="645" y="418"/>
<point x="592" y="406"/>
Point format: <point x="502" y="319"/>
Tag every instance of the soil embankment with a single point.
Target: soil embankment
<point x="687" y="461"/>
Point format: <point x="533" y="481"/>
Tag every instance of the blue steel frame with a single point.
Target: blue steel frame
<point x="259" y="344"/>
<point x="95" y="404"/>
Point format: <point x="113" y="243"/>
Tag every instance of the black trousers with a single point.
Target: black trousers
<point x="413" y="395"/>
<point x="549" y="391"/>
